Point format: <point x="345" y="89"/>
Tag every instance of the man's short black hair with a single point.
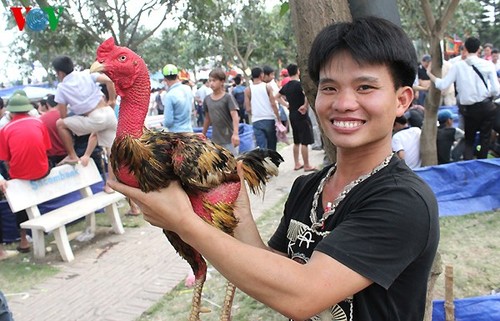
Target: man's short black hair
<point x="63" y="63"/>
<point x="401" y="120"/>
<point x="50" y="100"/>
<point x="369" y="40"/>
<point x="171" y="77"/>
<point x="267" y="70"/>
<point x="237" y="79"/>
<point x="256" y="72"/>
<point x="472" y="44"/>
<point x="292" y="69"/>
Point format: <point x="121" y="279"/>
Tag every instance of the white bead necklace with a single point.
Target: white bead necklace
<point x="331" y="206"/>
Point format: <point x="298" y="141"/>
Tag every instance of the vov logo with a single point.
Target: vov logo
<point x="37" y="19"/>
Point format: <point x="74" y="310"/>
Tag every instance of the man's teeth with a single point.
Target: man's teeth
<point x="347" y="124"/>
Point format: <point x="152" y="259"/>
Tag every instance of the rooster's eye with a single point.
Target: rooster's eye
<point x="122" y="58"/>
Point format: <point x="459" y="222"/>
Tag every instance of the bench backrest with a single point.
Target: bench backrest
<point x="22" y="194"/>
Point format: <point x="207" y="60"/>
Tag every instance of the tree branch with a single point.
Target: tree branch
<point x="427" y="11"/>
<point x="448" y="14"/>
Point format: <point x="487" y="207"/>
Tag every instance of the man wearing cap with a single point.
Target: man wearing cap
<point x="178" y="102"/>
<point x="448" y="138"/>
<point x="24" y="142"/>
<point x="476" y="83"/>
<point x="5" y="117"/>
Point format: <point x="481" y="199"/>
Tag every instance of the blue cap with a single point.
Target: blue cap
<point x="444" y="115"/>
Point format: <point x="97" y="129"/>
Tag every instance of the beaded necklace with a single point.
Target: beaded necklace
<point x="330" y="209"/>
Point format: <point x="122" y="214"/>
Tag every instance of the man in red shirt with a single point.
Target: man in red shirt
<point x="24" y="142"/>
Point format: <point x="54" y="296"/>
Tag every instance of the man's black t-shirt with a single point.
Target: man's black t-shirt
<point x="385" y="229"/>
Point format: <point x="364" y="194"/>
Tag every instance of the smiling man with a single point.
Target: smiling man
<point x="349" y="246"/>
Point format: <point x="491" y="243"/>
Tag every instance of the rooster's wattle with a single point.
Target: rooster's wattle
<point x="150" y="160"/>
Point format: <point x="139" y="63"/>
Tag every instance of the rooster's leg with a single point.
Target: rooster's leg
<point x="228" y="302"/>
<point x="196" y="302"/>
<point x="199" y="267"/>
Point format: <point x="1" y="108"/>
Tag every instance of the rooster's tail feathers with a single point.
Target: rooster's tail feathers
<point x="259" y="165"/>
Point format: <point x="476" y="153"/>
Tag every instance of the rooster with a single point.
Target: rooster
<point x="150" y="160"/>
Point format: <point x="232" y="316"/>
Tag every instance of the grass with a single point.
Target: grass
<point x="469" y="243"/>
<point x="21" y="272"/>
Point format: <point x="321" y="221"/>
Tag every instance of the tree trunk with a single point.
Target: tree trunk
<point x="308" y="19"/>
<point x="436" y="27"/>
<point x="428" y="151"/>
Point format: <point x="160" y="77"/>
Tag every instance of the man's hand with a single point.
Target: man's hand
<point x="168" y="208"/>
<point x="3" y="185"/>
<point x="235" y="140"/>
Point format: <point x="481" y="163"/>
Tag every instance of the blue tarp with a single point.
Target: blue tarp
<point x="35" y="91"/>
<point x="465" y="187"/>
<point x="245" y="132"/>
<point x="482" y="308"/>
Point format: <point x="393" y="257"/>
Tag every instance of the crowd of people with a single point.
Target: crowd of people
<point x="470" y="81"/>
<point x="336" y="220"/>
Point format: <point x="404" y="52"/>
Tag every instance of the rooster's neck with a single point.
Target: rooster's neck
<point x="134" y="108"/>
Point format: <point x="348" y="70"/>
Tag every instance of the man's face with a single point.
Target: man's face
<point x="487" y="51"/>
<point x="268" y="78"/>
<point x="494" y="57"/>
<point x="215" y="84"/>
<point x="357" y="104"/>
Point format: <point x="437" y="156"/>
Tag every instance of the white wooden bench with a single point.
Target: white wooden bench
<point x="25" y="194"/>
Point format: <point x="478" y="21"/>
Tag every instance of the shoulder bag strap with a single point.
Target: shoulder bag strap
<point x="480" y="75"/>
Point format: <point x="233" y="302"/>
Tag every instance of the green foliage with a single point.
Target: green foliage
<point x="490" y="22"/>
<point x="241" y="33"/>
<point x="464" y="22"/>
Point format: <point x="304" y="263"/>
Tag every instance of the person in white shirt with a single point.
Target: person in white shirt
<point x="406" y="142"/>
<point x="262" y="107"/>
<point x="477" y="84"/>
<point x="92" y="113"/>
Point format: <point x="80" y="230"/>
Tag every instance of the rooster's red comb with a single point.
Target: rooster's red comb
<point x="106" y="47"/>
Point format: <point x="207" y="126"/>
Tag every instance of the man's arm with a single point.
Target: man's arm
<point x="206" y="123"/>
<point x="63" y="110"/>
<point x="274" y="105"/>
<point x="3" y="184"/>
<point x="168" y="111"/>
<point x="445" y="82"/>
<point x="281" y="100"/>
<point x="110" y="86"/>
<point x="304" y="107"/>
<point x="248" y="106"/>
<point x="235" y="138"/>
<point x="493" y="80"/>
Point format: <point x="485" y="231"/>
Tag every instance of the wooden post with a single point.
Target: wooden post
<point x="449" y="306"/>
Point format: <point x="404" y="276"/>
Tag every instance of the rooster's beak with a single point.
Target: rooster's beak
<point x="97" y="67"/>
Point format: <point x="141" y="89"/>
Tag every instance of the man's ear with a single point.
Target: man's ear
<point x="405" y="98"/>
